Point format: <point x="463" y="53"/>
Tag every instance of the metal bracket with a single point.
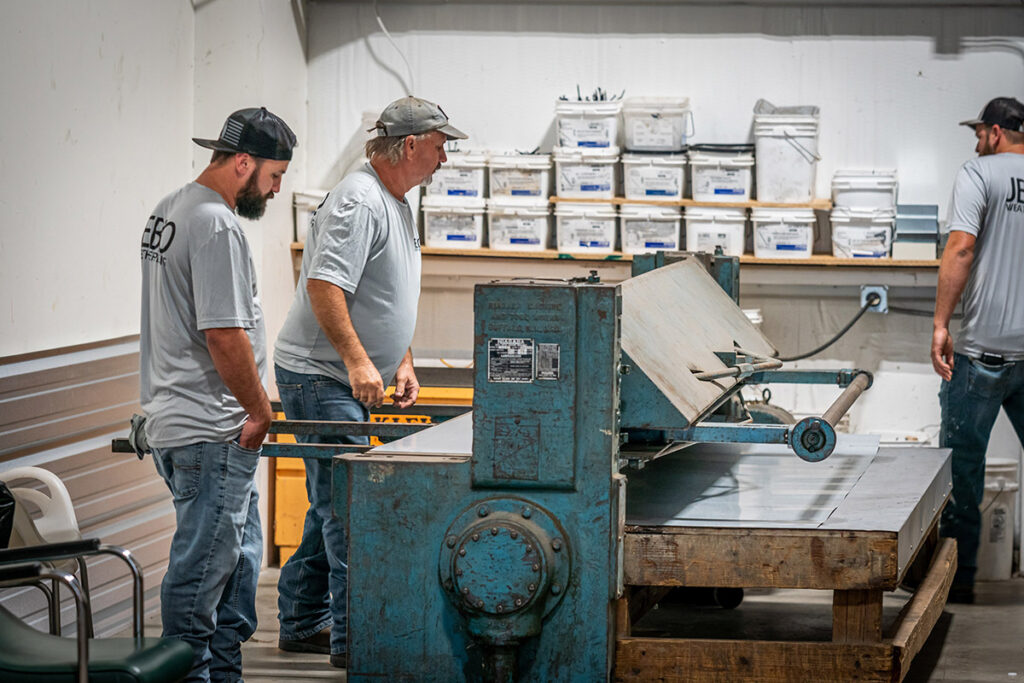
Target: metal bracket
<point x="882" y="291"/>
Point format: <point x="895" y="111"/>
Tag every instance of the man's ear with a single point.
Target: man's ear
<point x="243" y="163"/>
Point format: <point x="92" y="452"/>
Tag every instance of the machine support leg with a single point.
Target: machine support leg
<point x="857" y="616"/>
<point x="500" y="664"/>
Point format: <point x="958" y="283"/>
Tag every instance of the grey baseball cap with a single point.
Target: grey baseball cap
<point x="413" y="116"/>
<point x="1005" y="112"/>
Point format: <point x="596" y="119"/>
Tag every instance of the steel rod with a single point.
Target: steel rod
<point x="842" y="404"/>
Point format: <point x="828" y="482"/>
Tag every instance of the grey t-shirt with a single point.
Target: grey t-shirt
<point x="988" y="202"/>
<point x="197" y="274"/>
<point x="363" y="240"/>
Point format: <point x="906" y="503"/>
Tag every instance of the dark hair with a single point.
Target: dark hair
<point x="219" y="157"/>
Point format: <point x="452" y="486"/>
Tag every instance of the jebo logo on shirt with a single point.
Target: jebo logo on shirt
<point x="157" y="239"/>
<point x="1015" y="202"/>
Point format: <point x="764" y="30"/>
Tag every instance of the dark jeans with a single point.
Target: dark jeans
<point x="311" y="589"/>
<point x="970" y="403"/>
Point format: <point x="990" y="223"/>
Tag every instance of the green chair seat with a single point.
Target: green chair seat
<point x="30" y="655"/>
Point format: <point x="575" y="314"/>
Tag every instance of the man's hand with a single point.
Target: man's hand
<point x="942" y="353"/>
<point x="255" y="428"/>
<point x="407" y="388"/>
<point x="367" y="386"/>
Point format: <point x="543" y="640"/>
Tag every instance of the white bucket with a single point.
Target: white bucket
<point x="656" y="124"/>
<point x="649" y="176"/>
<point x="515" y="226"/>
<point x="449" y="226"/>
<point x="585" y="228"/>
<point x="520" y="177"/>
<point x="586" y="175"/>
<point x="861" y="233"/>
<point x="587" y="124"/>
<point x="787" y="157"/>
<point x="646" y="228"/>
<point x="709" y="227"/>
<point x="865" y="189"/>
<point x="721" y="176"/>
<point x="998" y="512"/>
<point x="783" y="233"/>
<point x="304" y="204"/>
<point x="460" y="178"/>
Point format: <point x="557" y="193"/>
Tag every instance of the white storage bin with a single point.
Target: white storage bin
<point x="649" y="176"/>
<point x="786" y="142"/>
<point x="459" y="178"/>
<point x="586" y="174"/>
<point x="585" y="228"/>
<point x="656" y="124"/>
<point x="721" y="173"/>
<point x="783" y="233"/>
<point x="865" y="189"/>
<point x="862" y="233"/>
<point x="998" y="515"/>
<point x="450" y="226"/>
<point x="646" y="228"/>
<point x="516" y="226"/>
<point x="588" y="124"/>
<point x="709" y="227"/>
<point x="304" y="203"/>
<point x="520" y="177"/>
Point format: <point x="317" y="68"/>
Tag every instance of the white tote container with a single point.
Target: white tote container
<point x="451" y="226"/>
<point x="517" y="226"/>
<point x="304" y="204"/>
<point x="587" y="124"/>
<point x="656" y="124"/>
<point x="783" y="233"/>
<point x="787" y="157"/>
<point x="585" y="228"/>
<point x="645" y="228"/>
<point x="460" y="178"/>
<point x="998" y="514"/>
<point x="709" y="227"/>
<point x="591" y="174"/>
<point x="862" y="233"/>
<point x="865" y="189"/>
<point x="519" y="177"/>
<point x="721" y="173"/>
<point x="652" y="176"/>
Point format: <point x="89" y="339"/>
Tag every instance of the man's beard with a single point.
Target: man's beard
<point x="249" y="203"/>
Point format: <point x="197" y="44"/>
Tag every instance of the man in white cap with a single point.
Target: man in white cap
<point x="984" y="370"/>
<point x="346" y="337"/>
<point x="203" y="369"/>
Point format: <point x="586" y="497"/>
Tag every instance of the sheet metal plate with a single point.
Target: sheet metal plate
<point x="452" y="437"/>
<point x="674" y="319"/>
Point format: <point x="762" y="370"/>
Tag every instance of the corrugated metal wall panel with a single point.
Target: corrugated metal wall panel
<point x="59" y="411"/>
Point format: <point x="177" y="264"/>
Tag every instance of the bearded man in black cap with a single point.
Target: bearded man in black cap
<point x="203" y="372"/>
<point x="984" y="370"/>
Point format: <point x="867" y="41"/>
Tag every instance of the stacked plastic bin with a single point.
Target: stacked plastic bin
<point x="453" y="203"/>
<point x="863" y="213"/>
<point x="519" y="217"/>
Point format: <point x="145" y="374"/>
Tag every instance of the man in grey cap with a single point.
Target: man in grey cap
<point x="346" y="337"/>
<point x="202" y="376"/>
<point x="984" y="369"/>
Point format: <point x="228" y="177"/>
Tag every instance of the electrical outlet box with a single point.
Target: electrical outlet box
<point x="882" y="291"/>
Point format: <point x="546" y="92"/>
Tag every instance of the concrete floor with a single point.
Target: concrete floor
<point x="970" y="643"/>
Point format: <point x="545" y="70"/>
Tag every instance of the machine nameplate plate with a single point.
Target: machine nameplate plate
<point x="510" y="360"/>
<point x="548" y="356"/>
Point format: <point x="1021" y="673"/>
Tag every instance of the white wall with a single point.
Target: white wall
<point x="891" y="83"/>
<point x="95" y="107"/>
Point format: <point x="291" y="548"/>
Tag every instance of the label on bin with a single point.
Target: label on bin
<point x="721" y="182"/>
<point x="510" y="360"/>
<point x="450" y="182"/>
<point x="586" y="132"/>
<point x="654" y="182"/>
<point x="656" y="133"/>
<point x="515" y="182"/>
<point x="586" y="178"/>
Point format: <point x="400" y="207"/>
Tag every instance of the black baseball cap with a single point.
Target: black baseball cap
<point x="254" y="131"/>
<point x="1005" y="112"/>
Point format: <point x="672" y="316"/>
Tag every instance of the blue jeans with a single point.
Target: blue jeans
<point x="970" y="404"/>
<point x="208" y="595"/>
<point x="312" y="587"/>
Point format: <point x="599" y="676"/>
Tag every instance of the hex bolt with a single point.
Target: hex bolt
<point x="514" y="534"/>
<point x="500" y="608"/>
<point x="479" y="604"/>
<point x="462" y="552"/>
<point x="556" y="544"/>
<point x="448" y="584"/>
<point x="527" y="512"/>
<point x="450" y="541"/>
<point x="535" y="567"/>
<point x="529" y="548"/>
<point x="476" y="537"/>
<point x="494" y="531"/>
<point x="458" y="572"/>
<point x="532" y="587"/>
<point x="519" y="602"/>
<point x="555" y="589"/>
<point x="483" y="511"/>
<point x="465" y="590"/>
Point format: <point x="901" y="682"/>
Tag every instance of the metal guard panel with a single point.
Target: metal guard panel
<point x="674" y="319"/>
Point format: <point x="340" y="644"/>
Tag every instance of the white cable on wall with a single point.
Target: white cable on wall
<point x="411" y="87"/>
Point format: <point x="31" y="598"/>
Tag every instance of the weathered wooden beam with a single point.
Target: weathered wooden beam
<point x="918" y="617"/>
<point x="857" y="616"/>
